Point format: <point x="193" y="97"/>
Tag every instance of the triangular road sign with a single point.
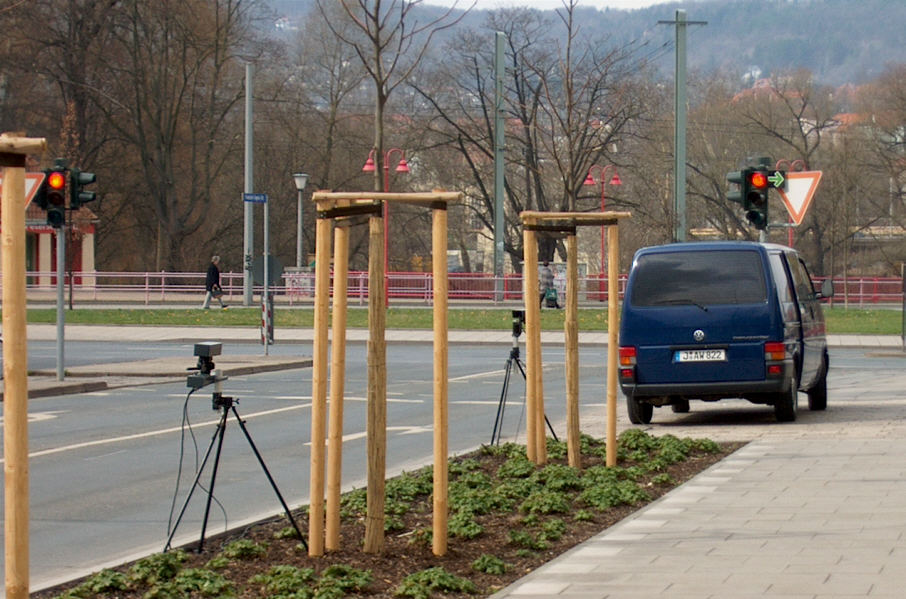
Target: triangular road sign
<point x="32" y="183"/>
<point x="800" y="187"/>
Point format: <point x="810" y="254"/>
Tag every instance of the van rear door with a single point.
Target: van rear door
<point x="698" y="316"/>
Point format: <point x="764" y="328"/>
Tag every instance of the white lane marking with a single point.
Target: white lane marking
<point x="164" y="431"/>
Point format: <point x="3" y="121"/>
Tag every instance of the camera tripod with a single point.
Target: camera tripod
<point x="226" y="405"/>
<point x="513" y="359"/>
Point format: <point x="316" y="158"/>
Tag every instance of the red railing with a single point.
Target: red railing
<point x="158" y="287"/>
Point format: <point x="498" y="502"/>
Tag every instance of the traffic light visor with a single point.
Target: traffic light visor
<point x="758" y="179"/>
<point x="56" y="180"/>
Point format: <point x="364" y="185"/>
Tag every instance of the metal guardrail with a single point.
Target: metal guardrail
<point x="293" y="287"/>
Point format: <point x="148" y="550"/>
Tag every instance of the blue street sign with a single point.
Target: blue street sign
<point x="257" y="198"/>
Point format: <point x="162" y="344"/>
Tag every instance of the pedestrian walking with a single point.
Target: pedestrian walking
<point x="547" y="290"/>
<point x="212" y="284"/>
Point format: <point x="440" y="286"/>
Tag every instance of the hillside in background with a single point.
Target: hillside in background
<point x="839" y="41"/>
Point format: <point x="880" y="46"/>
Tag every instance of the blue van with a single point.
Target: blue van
<point x="716" y="320"/>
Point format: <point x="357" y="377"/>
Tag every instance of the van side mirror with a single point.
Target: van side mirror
<point x="827" y="289"/>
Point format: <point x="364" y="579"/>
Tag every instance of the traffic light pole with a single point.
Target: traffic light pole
<point x="61" y="269"/>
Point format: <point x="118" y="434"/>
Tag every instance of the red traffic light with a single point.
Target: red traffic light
<point x="56" y="180"/>
<point x="758" y="180"/>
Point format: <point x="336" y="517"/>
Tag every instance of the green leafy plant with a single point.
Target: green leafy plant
<point x="462" y="524"/>
<point x="427" y="583"/>
<point x="105" y="581"/>
<point x="282" y="582"/>
<point x="244" y="549"/>
<point x="526" y="540"/>
<point x="489" y="564"/>
<point x="545" y="502"/>
<point x="157" y="567"/>
<point x="204" y="583"/>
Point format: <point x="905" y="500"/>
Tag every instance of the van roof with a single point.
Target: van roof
<point x="710" y="246"/>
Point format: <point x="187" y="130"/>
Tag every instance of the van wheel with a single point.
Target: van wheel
<point x="639" y="412"/>
<point x="817" y="395"/>
<point x="787" y="403"/>
<point x="680" y="406"/>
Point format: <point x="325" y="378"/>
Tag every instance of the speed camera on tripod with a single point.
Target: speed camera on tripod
<point x="203" y="372"/>
<point x="518" y="322"/>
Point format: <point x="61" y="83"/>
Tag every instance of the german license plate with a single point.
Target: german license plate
<point x="700" y="355"/>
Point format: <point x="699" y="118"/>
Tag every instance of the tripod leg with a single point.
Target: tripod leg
<point x="498" y="421"/>
<point x="549" y="427"/>
<point x="204" y="462"/>
<point x="207" y="507"/>
<point x="270" y="479"/>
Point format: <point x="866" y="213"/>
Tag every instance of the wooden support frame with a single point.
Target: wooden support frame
<point x="567" y="222"/>
<point x="340" y="205"/>
<point x="13" y="151"/>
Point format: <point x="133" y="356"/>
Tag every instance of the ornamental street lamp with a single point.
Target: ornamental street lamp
<point x="402" y="167"/>
<point x="301" y="179"/>
<point x="590" y="180"/>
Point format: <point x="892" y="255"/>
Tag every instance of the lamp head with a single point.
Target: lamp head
<point x="301" y="180"/>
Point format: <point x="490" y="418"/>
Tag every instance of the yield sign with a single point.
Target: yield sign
<point x="32" y="183"/>
<point x="800" y="187"/>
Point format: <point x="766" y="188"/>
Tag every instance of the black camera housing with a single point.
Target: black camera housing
<point x="518" y="322"/>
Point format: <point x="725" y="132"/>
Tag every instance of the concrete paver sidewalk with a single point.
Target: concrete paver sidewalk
<point x="798" y="518"/>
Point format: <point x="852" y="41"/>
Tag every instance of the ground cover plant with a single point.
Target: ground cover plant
<point x="507" y="517"/>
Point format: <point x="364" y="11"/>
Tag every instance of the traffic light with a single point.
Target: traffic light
<point x="77" y="195"/>
<point x="755" y="201"/>
<point x="738" y="178"/>
<point x="52" y="198"/>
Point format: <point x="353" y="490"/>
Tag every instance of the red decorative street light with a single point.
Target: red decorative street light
<point x="602" y="179"/>
<point x="402" y="167"/>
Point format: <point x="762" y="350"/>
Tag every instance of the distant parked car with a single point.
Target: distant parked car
<point x="715" y="320"/>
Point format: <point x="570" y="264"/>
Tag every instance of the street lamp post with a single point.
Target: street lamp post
<point x="301" y="179"/>
<point x="402" y="167"/>
<point x="590" y="180"/>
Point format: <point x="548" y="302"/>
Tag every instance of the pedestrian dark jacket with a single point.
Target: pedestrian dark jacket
<point x="212" y="279"/>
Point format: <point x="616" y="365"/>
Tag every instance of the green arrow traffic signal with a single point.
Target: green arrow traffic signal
<point x="777" y="179"/>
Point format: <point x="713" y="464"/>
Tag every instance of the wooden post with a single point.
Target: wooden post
<point x="376" y="428"/>
<point x="319" y="388"/>
<point x="439" y="259"/>
<point x="15" y="362"/>
<point x="613" y="326"/>
<point x="337" y="380"/>
<point x="571" y="332"/>
<point x="530" y="293"/>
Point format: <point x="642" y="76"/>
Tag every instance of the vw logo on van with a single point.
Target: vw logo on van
<point x="698" y="335"/>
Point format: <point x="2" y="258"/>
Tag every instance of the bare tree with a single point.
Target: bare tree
<point x="389" y="42"/>
<point x="567" y="105"/>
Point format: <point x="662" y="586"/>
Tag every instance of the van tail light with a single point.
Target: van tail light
<point x="774" y="352"/>
<point x="627" y="363"/>
<point x="627" y="356"/>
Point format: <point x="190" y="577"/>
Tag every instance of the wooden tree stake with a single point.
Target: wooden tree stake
<point x="337" y="379"/>
<point x="319" y="388"/>
<point x="13" y="150"/>
<point x="439" y="259"/>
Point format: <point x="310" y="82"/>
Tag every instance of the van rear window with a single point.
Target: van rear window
<point x="699" y="278"/>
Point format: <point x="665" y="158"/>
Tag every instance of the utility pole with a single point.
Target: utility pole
<point x="249" y="230"/>
<point x="499" y="147"/>
<point x="679" y="131"/>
